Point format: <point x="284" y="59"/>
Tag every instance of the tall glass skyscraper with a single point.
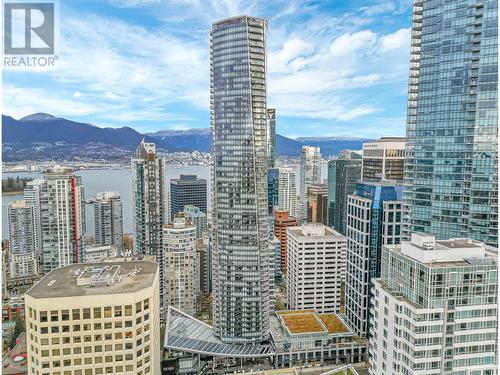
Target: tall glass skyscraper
<point x="241" y="303"/>
<point x="451" y="179"/>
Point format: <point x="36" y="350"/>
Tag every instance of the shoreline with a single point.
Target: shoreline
<point x="20" y="192"/>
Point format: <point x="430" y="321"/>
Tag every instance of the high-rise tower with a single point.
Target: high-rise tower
<point x="148" y="194"/>
<point x="451" y="178"/>
<point x="239" y="171"/>
<point x="108" y="219"/>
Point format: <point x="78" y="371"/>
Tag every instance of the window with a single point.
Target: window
<point x="128" y="310"/>
<point x="107" y="312"/>
<point x="76" y="314"/>
<point x="54" y="316"/>
<point x="97" y="313"/>
<point x="65" y="315"/>
<point x="86" y="313"/>
<point x="118" y="311"/>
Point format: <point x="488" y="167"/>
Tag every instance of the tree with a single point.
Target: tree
<point x="18" y="329"/>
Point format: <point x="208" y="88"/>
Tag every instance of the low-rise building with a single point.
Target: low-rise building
<point x="97" y="253"/>
<point x="304" y="337"/>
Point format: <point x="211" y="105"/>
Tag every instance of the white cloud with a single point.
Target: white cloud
<point x="349" y="43"/>
<point x="398" y="39"/>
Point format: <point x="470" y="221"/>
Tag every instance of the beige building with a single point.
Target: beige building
<point x="181" y="271"/>
<point x="95" y="319"/>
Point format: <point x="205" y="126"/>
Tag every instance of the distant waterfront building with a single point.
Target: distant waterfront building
<point x="435" y="308"/>
<point x="197" y="217"/>
<point x="287" y="191"/>
<point x="62" y="219"/>
<point x="317" y="204"/>
<point x="373" y="220"/>
<point x="271" y="138"/>
<point x="187" y="190"/>
<point x="383" y="159"/>
<point x="32" y="194"/>
<point x="272" y="189"/>
<point x="282" y="220"/>
<point x="104" y="317"/>
<point x="241" y="295"/>
<point x="316" y="268"/>
<point x="98" y="253"/>
<point x="181" y="272"/>
<point x="451" y="165"/>
<point x="347" y="171"/>
<point x="148" y="202"/>
<point x="23" y="260"/>
<point x="108" y="219"/>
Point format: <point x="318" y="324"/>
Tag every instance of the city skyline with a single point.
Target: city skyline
<point x="319" y="82"/>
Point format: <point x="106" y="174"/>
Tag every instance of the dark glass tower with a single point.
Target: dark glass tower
<point x="451" y="178"/>
<point x="241" y="300"/>
<point x="187" y="190"/>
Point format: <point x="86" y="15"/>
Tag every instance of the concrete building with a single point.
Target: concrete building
<point x="32" y="194"/>
<point x="451" y="165"/>
<point x="148" y="200"/>
<point x="188" y="190"/>
<point x="62" y="219"/>
<point x="108" y="219"/>
<point x="97" y="253"/>
<point x="317" y="204"/>
<point x="316" y="268"/>
<point x="287" y="191"/>
<point x="271" y="138"/>
<point x="23" y="260"/>
<point x="434" y="308"/>
<point x="194" y="215"/>
<point x="343" y="174"/>
<point x="102" y="318"/>
<point x="181" y="271"/>
<point x="282" y="220"/>
<point x="241" y="300"/>
<point x="310" y="174"/>
<point x="383" y="159"/>
<point x="373" y="220"/>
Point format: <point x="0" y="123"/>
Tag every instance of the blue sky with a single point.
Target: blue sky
<point x="335" y="68"/>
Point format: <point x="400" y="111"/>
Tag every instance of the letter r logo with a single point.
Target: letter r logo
<point x="29" y="28"/>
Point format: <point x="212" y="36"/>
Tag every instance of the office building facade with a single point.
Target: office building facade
<point x="383" y="159"/>
<point x="101" y="318"/>
<point x="187" y="190"/>
<point x="317" y="204"/>
<point x="287" y="191"/>
<point x="241" y="301"/>
<point x="451" y="176"/>
<point x="347" y="170"/>
<point x="32" y="194"/>
<point x="373" y="220"/>
<point x="62" y="219"/>
<point x="435" y="308"/>
<point x="272" y="189"/>
<point x="283" y="220"/>
<point x="271" y="138"/>
<point x="108" y="219"/>
<point x="316" y="268"/>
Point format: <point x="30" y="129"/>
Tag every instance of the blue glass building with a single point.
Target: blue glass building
<point x="451" y="178"/>
<point x="272" y="189"/>
<point x="373" y="219"/>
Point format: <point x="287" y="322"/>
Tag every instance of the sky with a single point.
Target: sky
<point x="335" y="68"/>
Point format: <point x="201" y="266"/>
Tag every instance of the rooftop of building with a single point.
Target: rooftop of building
<point x="187" y="179"/>
<point x="107" y="195"/>
<point x="95" y="279"/>
<point x="19" y="204"/>
<point x="309" y="230"/>
<point x="424" y="248"/>
<point x="58" y="171"/>
<point x="309" y="321"/>
<point x="387" y="140"/>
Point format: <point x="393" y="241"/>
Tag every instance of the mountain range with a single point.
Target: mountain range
<point x="43" y="136"/>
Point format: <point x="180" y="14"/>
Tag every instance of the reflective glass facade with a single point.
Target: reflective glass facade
<point x="239" y="170"/>
<point x="451" y="153"/>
